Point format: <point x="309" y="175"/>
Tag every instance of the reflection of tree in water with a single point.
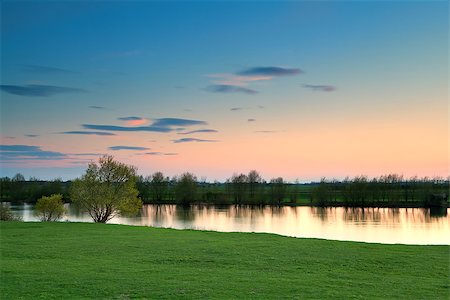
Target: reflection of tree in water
<point x="185" y="213"/>
<point x="371" y="214"/>
<point x="276" y="210"/>
<point x="438" y="212"/>
<point x="75" y="210"/>
<point x="321" y="212"/>
<point x="245" y="211"/>
<point x="158" y="213"/>
<point x="434" y="212"/>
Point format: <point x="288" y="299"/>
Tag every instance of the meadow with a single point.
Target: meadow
<point x="59" y="260"/>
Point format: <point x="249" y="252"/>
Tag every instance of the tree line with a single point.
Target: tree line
<point x="251" y="189"/>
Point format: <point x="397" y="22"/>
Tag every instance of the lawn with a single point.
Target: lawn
<point x="82" y="260"/>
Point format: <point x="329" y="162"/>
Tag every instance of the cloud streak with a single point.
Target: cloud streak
<point x="101" y="133"/>
<point x="198" y="131"/>
<point x="133" y="121"/>
<point x="97" y="107"/>
<point x="118" y="148"/>
<point x="190" y="140"/>
<point x="158" y="125"/>
<point x="161" y="153"/>
<point x="269" y="71"/>
<point x="15" y="152"/>
<point x="226" y="89"/>
<point x="38" y="90"/>
<point x="239" y="81"/>
<point x="320" y="88"/>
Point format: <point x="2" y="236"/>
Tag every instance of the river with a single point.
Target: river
<point x="374" y="225"/>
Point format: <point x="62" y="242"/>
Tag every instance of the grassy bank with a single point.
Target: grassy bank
<point x="81" y="260"/>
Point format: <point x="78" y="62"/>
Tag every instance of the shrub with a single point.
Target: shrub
<point x="6" y="213"/>
<point x="50" y="208"/>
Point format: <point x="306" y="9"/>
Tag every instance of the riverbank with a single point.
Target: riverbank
<point x="81" y="260"/>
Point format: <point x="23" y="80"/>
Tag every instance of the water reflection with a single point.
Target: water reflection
<point x="384" y="225"/>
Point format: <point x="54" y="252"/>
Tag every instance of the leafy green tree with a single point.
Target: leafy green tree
<point x="321" y="194"/>
<point x="277" y="190"/>
<point x="50" y="208"/>
<point x="107" y="189"/>
<point x="186" y="188"/>
<point x="159" y="187"/>
<point x="6" y="213"/>
<point x="238" y="184"/>
<point x="254" y="181"/>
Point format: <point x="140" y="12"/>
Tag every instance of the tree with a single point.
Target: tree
<point x="6" y="214"/>
<point x="107" y="189"/>
<point x="254" y="183"/>
<point x="277" y="190"/>
<point x="238" y="187"/>
<point x="159" y="186"/>
<point x="50" y="208"/>
<point x="186" y="188"/>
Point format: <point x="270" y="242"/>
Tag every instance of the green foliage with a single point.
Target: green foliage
<point x="106" y="190"/>
<point x="321" y="194"/>
<point x="277" y="190"/>
<point x="159" y="187"/>
<point x="50" y="208"/>
<point x="238" y="186"/>
<point x="186" y="188"/>
<point x="97" y="261"/>
<point x="6" y="213"/>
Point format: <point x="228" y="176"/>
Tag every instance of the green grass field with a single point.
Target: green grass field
<point x="81" y="260"/>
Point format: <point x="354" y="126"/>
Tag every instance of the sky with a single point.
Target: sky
<point x="298" y="89"/>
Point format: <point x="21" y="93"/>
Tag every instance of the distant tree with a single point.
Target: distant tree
<point x="186" y="188"/>
<point x="106" y="190"/>
<point x="321" y="194"/>
<point x="277" y="190"/>
<point x="50" y="208"/>
<point x="18" y="177"/>
<point x="254" y="181"/>
<point x="238" y="185"/>
<point x="159" y="187"/>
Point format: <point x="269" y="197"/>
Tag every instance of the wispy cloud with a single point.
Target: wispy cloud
<point x="123" y="128"/>
<point x="86" y="154"/>
<point x="15" y="152"/>
<point x="198" y="131"/>
<point x="224" y="88"/>
<point x="238" y="108"/>
<point x="239" y="81"/>
<point x="235" y="80"/>
<point x="265" y="131"/>
<point x="189" y="140"/>
<point x="161" y="153"/>
<point x="320" y="88"/>
<point x="251" y="120"/>
<point x="45" y="69"/>
<point x="269" y="71"/>
<point x="37" y="90"/>
<point x="31" y="135"/>
<point x="158" y="125"/>
<point x="168" y="122"/>
<point x="102" y="133"/>
<point x="97" y="107"/>
<point x="118" y="148"/>
<point x="133" y="121"/>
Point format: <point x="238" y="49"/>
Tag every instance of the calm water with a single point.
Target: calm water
<point x="380" y="225"/>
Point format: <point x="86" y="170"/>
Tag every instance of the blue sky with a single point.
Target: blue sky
<point x="350" y="77"/>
